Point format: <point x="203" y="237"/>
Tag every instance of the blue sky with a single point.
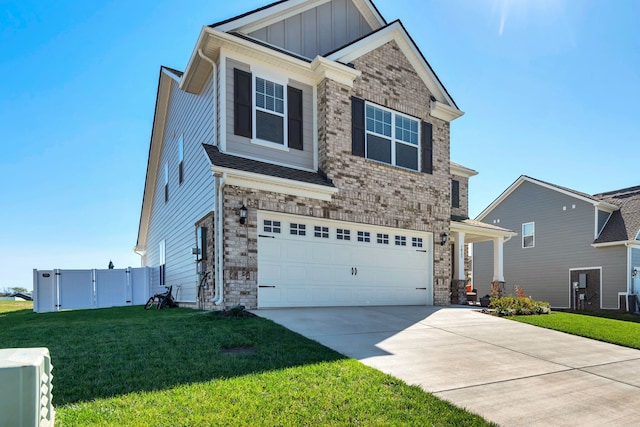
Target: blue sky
<point x="549" y="89"/>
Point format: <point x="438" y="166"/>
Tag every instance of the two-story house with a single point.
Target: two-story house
<point x="302" y="159"/>
<point x="574" y="250"/>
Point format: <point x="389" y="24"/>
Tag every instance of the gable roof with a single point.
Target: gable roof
<point x="397" y="32"/>
<point x="624" y="224"/>
<point x="155" y="147"/>
<point x="597" y="202"/>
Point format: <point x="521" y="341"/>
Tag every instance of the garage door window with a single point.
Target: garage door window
<point x="322" y="232"/>
<point x="401" y="241"/>
<point x="271" y="226"/>
<point x="416" y="242"/>
<point x="342" y="234"/>
<point x="298" y="229"/>
<point x="364" y="236"/>
<point x="383" y="239"/>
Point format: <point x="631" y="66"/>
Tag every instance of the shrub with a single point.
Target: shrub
<point x="514" y="306"/>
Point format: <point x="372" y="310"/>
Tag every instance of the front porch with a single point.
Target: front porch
<point x="463" y="232"/>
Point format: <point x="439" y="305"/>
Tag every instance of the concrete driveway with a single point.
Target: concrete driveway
<point x="508" y="372"/>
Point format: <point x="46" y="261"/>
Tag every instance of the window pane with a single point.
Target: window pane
<point x="407" y="130"/>
<point x="269" y="95"/>
<point x="269" y="127"/>
<point x="378" y="148"/>
<point x="406" y="156"/>
<point x="378" y="120"/>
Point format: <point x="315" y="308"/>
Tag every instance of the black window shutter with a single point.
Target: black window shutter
<point x="357" y="126"/>
<point x="242" y="105"/>
<point x="294" y="117"/>
<point x="427" y="148"/>
<point x="455" y="193"/>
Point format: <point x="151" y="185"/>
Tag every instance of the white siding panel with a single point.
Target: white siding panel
<point x="191" y="116"/>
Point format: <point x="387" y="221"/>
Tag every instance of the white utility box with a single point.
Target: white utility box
<point x="25" y="387"/>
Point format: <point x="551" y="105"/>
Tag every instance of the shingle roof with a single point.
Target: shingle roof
<point x="254" y="166"/>
<point x="570" y="190"/>
<point x="624" y="223"/>
<point x="173" y="70"/>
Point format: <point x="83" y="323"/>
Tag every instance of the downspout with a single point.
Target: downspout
<point x="219" y="288"/>
<point x="219" y="184"/>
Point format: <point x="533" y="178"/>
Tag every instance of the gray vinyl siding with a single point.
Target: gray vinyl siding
<point x="563" y="241"/>
<point x="174" y="221"/>
<point x="317" y="31"/>
<point x="244" y="147"/>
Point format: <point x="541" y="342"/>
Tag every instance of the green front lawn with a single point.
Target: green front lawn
<point x="180" y="367"/>
<point x="607" y="329"/>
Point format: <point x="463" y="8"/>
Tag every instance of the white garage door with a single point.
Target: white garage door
<point x="306" y="262"/>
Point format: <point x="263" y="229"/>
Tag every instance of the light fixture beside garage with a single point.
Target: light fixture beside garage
<point x="444" y="239"/>
<point x="243" y="214"/>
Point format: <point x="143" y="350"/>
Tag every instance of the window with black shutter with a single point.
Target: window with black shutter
<point x="455" y="193"/>
<point x="294" y="119"/>
<point x="242" y="103"/>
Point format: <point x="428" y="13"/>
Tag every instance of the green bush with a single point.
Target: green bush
<point x="517" y="306"/>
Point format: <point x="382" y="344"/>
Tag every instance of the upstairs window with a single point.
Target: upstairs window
<point x="387" y="136"/>
<point x="455" y="193"/>
<point x="166" y="182"/>
<point x="180" y="160"/>
<point x="391" y="137"/>
<point x="267" y="111"/>
<point x="528" y="235"/>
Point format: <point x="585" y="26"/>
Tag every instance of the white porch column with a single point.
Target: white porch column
<point x="498" y="259"/>
<point x="458" y="250"/>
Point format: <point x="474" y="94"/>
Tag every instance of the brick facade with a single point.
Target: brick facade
<point x="369" y="192"/>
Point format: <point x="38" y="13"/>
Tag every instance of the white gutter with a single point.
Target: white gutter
<point x="626" y="243"/>
<point x="219" y="239"/>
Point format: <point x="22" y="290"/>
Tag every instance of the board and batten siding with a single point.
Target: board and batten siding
<point x="242" y="146"/>
<point x="563" y="239"/>
<point x="317" y="31"/>
<point x="174" y="221"/>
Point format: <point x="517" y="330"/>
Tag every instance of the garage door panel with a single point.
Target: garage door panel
<point x="311" y="271"/>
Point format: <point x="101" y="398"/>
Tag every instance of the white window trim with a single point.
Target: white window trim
<point x="394" y="113"/>
<point x="181" y="148"/>
<point x="533" y="234"/>
<point x="285" y="131"/>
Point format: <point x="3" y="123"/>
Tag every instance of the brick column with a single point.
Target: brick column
<point x="497" y="289"/>
<point x="459" y="292"/>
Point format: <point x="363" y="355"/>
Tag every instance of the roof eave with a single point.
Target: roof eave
<point x="616" y="243"/>
<point x="271" y="183"/>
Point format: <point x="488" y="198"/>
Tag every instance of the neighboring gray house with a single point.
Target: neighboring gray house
<point x="302" y="159"/>
<point x="574" y="250"/>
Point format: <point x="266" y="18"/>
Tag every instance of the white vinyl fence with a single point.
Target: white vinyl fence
<point x="55" y="290"/>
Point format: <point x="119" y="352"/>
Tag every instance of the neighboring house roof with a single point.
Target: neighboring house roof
<point x="624" y="224"/>
<point x="601" y="204"/>
<point x="228" y="161"/>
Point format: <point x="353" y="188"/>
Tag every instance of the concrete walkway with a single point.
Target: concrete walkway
<point x="507" y="372"/>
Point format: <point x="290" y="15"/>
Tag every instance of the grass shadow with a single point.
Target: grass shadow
<point x="108" y="352"/>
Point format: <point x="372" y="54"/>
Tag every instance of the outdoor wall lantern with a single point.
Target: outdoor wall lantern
<point x="243" y="214"/>
<point x="634" y="273"/>
<point x="444" y="239"/>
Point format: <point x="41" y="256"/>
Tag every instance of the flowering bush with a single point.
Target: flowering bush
<point x="515" y="306"/>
